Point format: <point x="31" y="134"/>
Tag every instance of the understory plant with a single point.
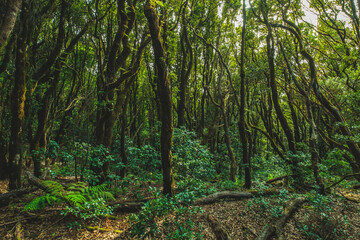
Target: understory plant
<point x="83" y="202"/>
<point x="173" y="215"/>
<point x="322" y="221"/>
<point x="273" y="205"/>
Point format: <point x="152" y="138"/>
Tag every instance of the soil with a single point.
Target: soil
<point x="242" y="219"/>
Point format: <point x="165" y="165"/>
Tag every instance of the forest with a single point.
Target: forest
<point x="179" y="119"/>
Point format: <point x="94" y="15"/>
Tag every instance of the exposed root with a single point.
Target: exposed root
<point x="276" y="229"/>
<point x="218" y="229"/>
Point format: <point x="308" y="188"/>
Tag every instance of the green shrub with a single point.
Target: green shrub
<point x="191" y="159"/>
<point x="229" y="185"/>
<point x="89" y="210"/>
<point x="321" y="222"/>
<point x="144" y="159"/>
<point x="154" y="214"/>
<point x="273" y="205"/>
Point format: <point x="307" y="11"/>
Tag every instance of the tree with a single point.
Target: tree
<point x="18" y="101"/>
<point x="164" y="95"/>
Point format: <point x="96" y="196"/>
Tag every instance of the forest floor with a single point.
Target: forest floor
<point x="242" y="219"/>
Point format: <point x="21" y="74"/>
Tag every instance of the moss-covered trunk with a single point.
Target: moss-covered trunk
<point x="164" y="95"/>
<point x="17" y="102"/>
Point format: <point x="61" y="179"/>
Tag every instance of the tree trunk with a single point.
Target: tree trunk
<point x="122" y="137"/>
<point x="242" y="124"/>
<point x="18" y="101"/>
<point x="185" y="68"/>
<point x="313" y="132"/>
<point x="8" y="14"/>
<point x="228" y="143"/>
<point x="164" y="95"/>
<point x="275" y="99"/>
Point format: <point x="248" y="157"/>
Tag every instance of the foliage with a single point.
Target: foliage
<point x="273" y="205"/>
<point x="80" y="159"/>
<point x="230" y="185"/>
<point x="90" y="210"/>
<point x="334" y="165"/>
<point x="76" y="194"/>
<point x="322" y="222"/>
<point x="268" y="166"/>
<point x="199" y="187"/>
<point x="175" y="212"/>
<point x="191" y="159"/>
<point x="41" y="202"/>
<point x="144" y="159"/>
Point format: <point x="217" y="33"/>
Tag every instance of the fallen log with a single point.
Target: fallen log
<point x="233" y="195"/>
<point x="276" y="229"/>
<point x="40" y="184"/>
<point x="136" y="205"/>
<point x="6" y="198"/>
<point x="128" y="207"/>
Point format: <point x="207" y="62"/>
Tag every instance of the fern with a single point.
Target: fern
<point x="76" y="199"/>
<point x="77" y="187"/>
<point x="76" y="194"/>
<point x="99" y="192"/>
<point x="40" y="202"/>
<point x="54" y="188"/>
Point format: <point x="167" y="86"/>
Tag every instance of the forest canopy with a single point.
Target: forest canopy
<point x="274" y="81"/>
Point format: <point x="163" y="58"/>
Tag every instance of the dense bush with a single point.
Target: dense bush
<point x="191" y="159"/>
<point x="322" y="222"/>
<point x="171" y="214"/>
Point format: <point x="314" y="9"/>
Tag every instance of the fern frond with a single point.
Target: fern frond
<point x="99" y="191"/>
<point x="36" y="204"/>
<point x="78" y="187"/>
<point x="40" y="202"/>
<point x="52" y="200"/>
<point x="108" y="196"/>
<point x="75" y="198"/>
<point x="54" y="187"/>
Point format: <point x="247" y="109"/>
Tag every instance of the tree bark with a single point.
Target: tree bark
<point x="8" y="15"/>
<point x="242" y="123"/>
<point x="18" y="101"/>
<point x="164" y="95"/>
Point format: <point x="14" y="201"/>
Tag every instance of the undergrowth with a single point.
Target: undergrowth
<point x="170" y="215"/>
<point x="83" y="202"/>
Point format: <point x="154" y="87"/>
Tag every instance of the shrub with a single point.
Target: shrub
<point x="90" y="210"/>
<point x="144" y="159"/>
<point x="273" y="205"/>
<point x="191" y="159"/>
<point x="321" y="222"/>
<point x="172" y="213"/>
